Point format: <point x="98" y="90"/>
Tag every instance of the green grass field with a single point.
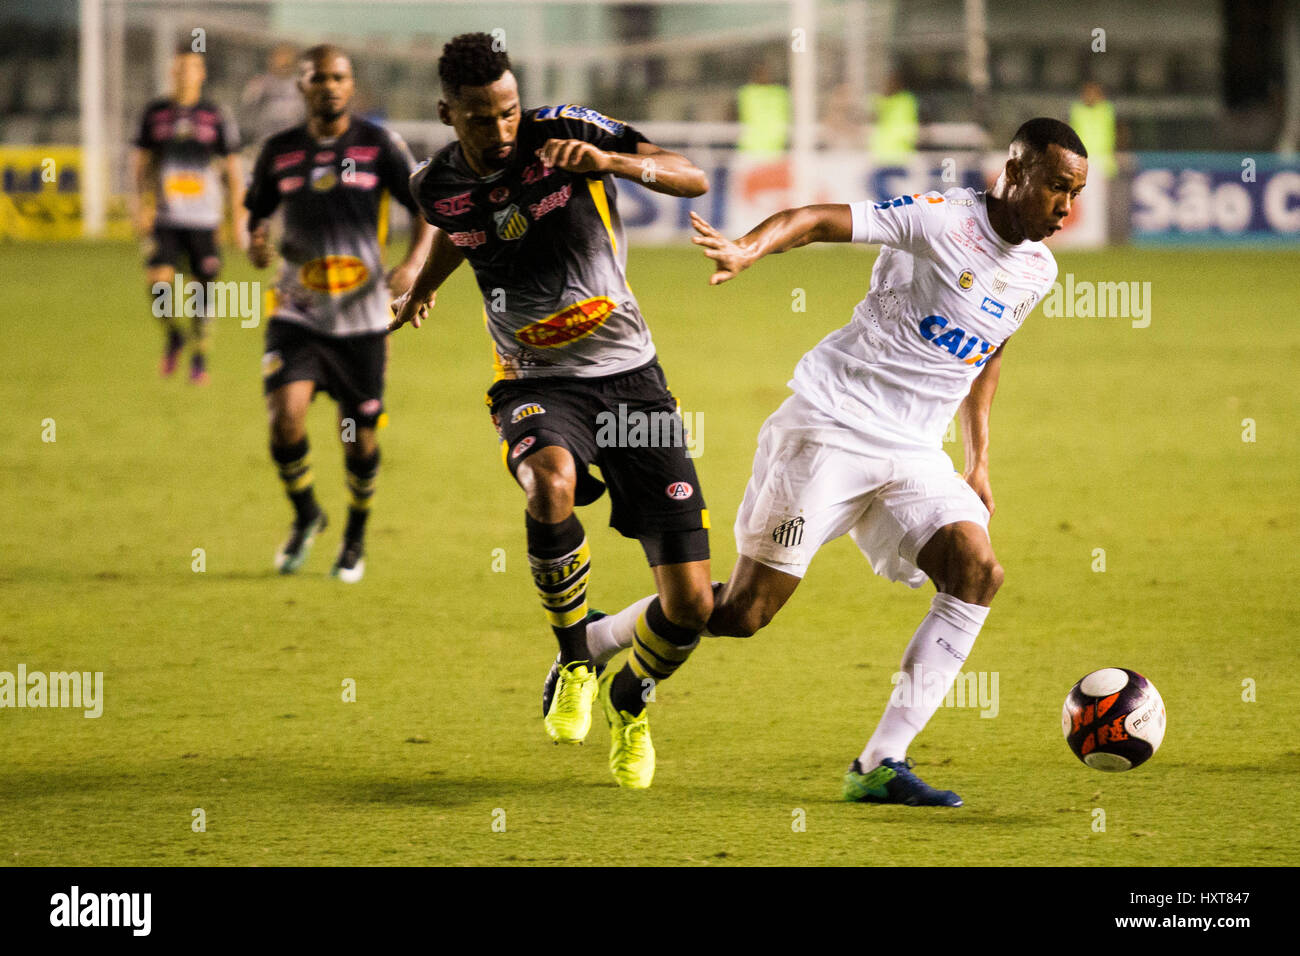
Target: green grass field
<point x="223" y="689"/>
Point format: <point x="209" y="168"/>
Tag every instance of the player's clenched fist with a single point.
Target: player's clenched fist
<point x="574" y="156"/>
<point x="729" y="258"/>
<point x="408" y="309"/>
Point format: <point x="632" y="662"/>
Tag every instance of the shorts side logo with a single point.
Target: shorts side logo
<point x="789" y="533"/>
<point x="679" y="491"/>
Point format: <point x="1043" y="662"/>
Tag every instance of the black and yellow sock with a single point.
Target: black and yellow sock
<point x="175" y="339"/>
<point x="361" y="473"/>
<point x="294" y="464"/>
<point x="659" y="647"/>
<point x="561" y="563"/>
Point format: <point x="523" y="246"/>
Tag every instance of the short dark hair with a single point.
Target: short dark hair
<point x="1035" y="135"/>
<point x="321" y="52"/>
<point x="471" y="59"/>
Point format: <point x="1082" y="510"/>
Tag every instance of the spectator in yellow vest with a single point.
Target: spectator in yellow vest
<point x="764" y="113"/>
<point x="897" y="125"/>
<point x="1093" y="118"/>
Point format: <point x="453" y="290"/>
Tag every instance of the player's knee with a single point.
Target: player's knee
<point x="979" y="578"/>
<point x="549" y="488"/>
<point x="287" y="428"/>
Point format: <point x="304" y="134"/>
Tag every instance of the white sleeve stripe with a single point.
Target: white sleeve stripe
<point x="860" y="214"/>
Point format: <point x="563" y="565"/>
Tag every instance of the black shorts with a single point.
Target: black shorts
<point x="199" y="244"/>
<point x="349" y="367"/>
<point x="627" y="425"/>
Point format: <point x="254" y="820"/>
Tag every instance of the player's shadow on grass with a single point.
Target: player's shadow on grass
<point x="435" y="790"/>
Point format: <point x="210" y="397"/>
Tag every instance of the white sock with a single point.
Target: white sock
<point x="614" y="633"/>
<point x="931" y="662"/>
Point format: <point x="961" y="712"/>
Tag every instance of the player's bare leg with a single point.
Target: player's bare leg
<point x="287" y="412"/>
<point x="959" y="559"/>
<point x="361" y="459"/>
<point x="557" y="546"/>
<point x="684" y="599"/>
<point x="174" y="337"/>
<point x="205" y="271"/>
<point x="750" y="599"/>
<point x="666" y="630"/>
<point x="561" y="563"/>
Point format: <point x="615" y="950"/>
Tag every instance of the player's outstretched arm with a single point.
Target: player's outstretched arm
<point x="658" y="169"/>
<point x="404" y="274"/>
<point x="142" y="178"/>
<point x="788" y="229"/>
<point x="413" y="307"/>
<point x="974" y="413"/>
<point x="234" y="176"/>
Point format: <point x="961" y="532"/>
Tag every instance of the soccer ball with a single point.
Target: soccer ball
<point x="1113" y="719"/>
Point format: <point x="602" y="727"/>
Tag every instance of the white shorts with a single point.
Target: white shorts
<point x="815" y="479"/>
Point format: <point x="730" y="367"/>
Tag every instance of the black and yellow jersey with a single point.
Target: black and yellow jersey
<point x="547" y="249"/>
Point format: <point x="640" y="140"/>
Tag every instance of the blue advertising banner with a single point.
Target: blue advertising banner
<point x="1220" y="198"/>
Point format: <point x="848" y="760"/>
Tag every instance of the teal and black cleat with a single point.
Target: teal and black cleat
<point x="553" y="675"/>
<point x="894" y="782"/>
<point x="293" y="553"/>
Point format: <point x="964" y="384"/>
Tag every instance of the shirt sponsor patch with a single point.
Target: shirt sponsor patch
<point x="456" y="205"/>
<point x="525" y="443"/>
<point x="289" y="183"/>
<point x="360" y="180"/>
<point x="567" y="325"/>
<point x="333" y="274"/>
<point x="362" y="154"/>
<point x="468" y="240"/>
<point x="971" y="349"/>
<point x="554" y="201"/>
<point x="992" y="307"/>
<point x="285" y="160"/>
<point x="583" y="114"/>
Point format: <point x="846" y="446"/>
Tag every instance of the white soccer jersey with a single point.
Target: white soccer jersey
<point x="946" y="292"/>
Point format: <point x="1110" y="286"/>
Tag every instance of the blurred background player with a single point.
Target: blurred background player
<point x="763" y="110"/>
<point x="896" y="122"/>
<point x="327" y="330"/>
<point x="176" y="200"/>
<point x="271" y="101"/>
<point x="1093" y="117"/>
<point x="529" y="199"/>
